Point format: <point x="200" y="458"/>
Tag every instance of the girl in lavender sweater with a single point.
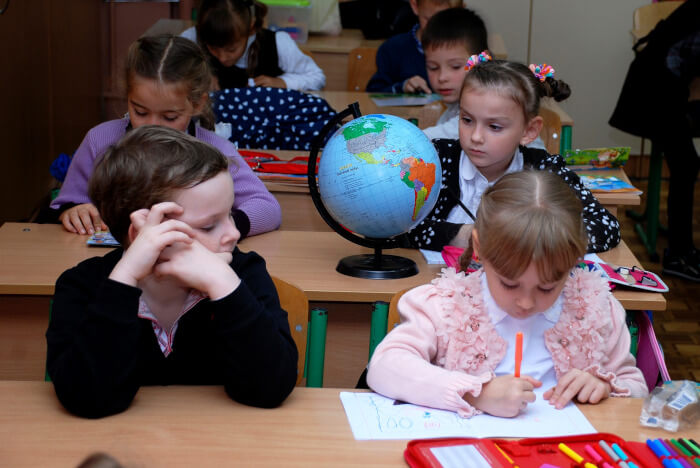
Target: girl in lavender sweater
<point x="167" y="84"/>
<point x="454" y="348"/>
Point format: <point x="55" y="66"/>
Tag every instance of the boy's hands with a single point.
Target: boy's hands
<point x="586" y="387"/>
<point x="416" y="84"/>
<point x="505" y="396"/>
<point x="153" y="236"/>
<point x="198" y="267"/>
<point x="82" y="219"/>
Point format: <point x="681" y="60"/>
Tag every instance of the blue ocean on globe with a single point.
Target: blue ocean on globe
<point x="379" y="176"/>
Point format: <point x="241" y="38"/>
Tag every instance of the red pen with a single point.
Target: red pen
<point x="518" y="352"/>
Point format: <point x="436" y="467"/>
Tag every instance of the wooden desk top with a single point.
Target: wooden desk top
<point x="200" y="426"/>
<point x="34" y="255"/>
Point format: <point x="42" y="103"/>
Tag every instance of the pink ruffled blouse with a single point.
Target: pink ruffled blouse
<point x="447" y="345"/>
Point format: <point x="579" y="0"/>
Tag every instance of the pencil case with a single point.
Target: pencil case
<point x="524" y="453"/>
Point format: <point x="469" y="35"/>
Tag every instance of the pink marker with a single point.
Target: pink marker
<point x="594" y="455"/>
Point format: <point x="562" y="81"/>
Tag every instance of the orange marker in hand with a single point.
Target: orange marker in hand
<point x="518" y="352"/>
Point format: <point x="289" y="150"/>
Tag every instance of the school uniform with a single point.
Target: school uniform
<point x="255" y="209"/>
<point x="278" y="56"/>
<point x="454" y="338"/>
<point x="104" y="344"/>
<point x="398" y="58"/>
<point x="438" y="228"/>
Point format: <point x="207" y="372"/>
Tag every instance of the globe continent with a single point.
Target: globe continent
<point x="379" y="176"/>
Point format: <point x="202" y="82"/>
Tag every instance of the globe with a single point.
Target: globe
<point x="378" y="177"/>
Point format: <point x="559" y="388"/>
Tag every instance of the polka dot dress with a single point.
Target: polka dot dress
<point x="271" y="118"/>
<point x="433" y="233"/>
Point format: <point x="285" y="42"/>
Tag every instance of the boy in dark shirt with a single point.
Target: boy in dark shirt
<point x="179" y="304"/>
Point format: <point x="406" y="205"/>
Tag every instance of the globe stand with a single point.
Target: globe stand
<point x="370" y="266"/>
<point x="377" y="266"/>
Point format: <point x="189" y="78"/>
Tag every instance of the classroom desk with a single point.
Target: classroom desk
<point x="201" y="426"/>
<point x="34" y="255"/>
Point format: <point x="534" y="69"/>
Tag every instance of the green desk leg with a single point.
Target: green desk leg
<point x="565" y="142"/>
<point x="316" y="348"/>
<point x="377" y="331"/>
<point x="650" y="216"/>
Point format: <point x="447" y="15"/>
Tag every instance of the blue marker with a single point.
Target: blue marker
<point x="654" y="446"/>
<point x="632" y="465"/>
<point x="619" y="451"/>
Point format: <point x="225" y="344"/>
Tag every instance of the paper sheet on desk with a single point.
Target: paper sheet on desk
<point x="432" y="257"/>
<point x="374" y="417"/>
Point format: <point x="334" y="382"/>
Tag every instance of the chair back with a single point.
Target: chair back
<point x="394" y="318"/>
<point x="646" y="17"/>
<point x="551" y="130"/>
<point x="294" y="301"/>
<point x="362" y="65"/>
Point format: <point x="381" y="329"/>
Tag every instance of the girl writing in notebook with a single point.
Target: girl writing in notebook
<point x="243" y="53"/>
<point x="498" y="116"/>
<point x="167" y="80"/>
<point x="179" y="303"/>
<point x="454" y="348"/>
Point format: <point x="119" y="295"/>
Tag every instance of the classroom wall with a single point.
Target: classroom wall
<point x="587" y="42"/>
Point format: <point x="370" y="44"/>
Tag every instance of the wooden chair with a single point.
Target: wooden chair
<point x="361" y="66"/>
<point x="644" y="19"/>
<point x="556" y="129"/>
<point x="309" y="335"/>
<point x="384" y="318"/>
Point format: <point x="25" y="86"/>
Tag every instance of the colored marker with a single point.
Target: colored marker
<point x="684" y="462"/>
<point x="611" y="453"/>
<point x="594" y="455"/>
<point x="510" y="460"/>
<point x="671" y="463"/>
<point x="687" y="447"/>
<point x="669" y="447"/>
<point x="632" y="465"/>
<point x="602" y="453"/>
<point x="518" y="353"/>
<point x="693" y="445"/>
<point x="570" y="453"/>
<point x="623" y="456"/>
<point x="679" y="447"/>
<point x="658" y="448"/>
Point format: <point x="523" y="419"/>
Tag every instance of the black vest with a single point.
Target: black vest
<point x="268" y="64"/>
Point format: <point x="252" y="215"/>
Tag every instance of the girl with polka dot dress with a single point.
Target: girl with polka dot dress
<point x="455" y="348"/>
<point x="499" y="106"/>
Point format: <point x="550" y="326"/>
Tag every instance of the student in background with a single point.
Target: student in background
<point x="454" y="348"/>
<point x="168" y="80"/>
<point x="499" y="106"/>
<point x="243" y="53"/>
<point x="450" y="37"/>
<point x="179" y="303"/>
<point x="400" y="59"/>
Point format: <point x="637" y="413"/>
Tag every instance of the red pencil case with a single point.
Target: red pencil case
<point x="268" y="162"/>
<point x="524" y="453"/>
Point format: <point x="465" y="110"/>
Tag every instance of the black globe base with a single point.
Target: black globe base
<point x="371" y="266"/>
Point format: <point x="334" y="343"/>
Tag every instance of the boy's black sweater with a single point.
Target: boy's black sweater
<point x="100" y="352"/>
